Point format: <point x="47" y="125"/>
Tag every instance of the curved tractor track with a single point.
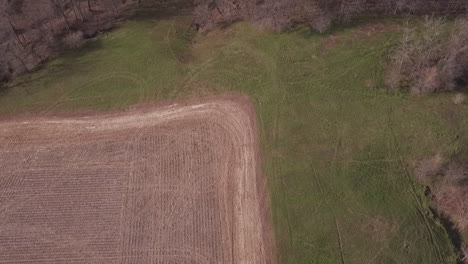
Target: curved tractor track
<point x="180" y="183"/>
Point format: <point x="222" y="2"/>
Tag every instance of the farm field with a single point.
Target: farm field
<point x="338" y="148"/>
<point x="175" y="184"/>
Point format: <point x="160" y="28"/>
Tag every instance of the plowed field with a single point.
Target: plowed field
<point x="179" y="183"/>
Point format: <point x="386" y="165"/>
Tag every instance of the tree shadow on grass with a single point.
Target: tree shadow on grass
<point x="92" y="45"/>
<point x="339" y="27"/>
<point x="63" y="63"/>
<point x="70" y="59"/>
<point x="3" y="88"/>
<point x="453" y="234"/>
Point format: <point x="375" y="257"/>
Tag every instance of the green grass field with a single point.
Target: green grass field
<point x="338" y="153"/>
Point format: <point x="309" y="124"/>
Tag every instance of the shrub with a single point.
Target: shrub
<point x="280" y="15"/>
<point x="452" y="201"/>
<point x="73" y="40"/>
<point x="321" y="22"/>
<point x="449" y="182"/>
<point x="459" y="98"/>
<point x="428" y="169"/>
<point x="431" y="60"/>
<point x="455" y="173"/>
<point x="370" y="84"/>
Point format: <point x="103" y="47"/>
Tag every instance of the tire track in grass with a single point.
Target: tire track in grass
<point x="285" y="204"/>
<point x="419" y="207"/>
<point x="337" y="226"/>
<point x="139" y="82"/>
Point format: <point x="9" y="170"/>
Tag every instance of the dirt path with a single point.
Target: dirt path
<point x="181" y="183"/>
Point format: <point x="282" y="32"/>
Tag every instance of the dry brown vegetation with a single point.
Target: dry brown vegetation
<point x="448" y="181"/>
<point x="176" y="184"/>
<point x="465" y="254"/>
<point x="73" y="40"/>
<point x="281" y="15"/>
<point x="459" y="98"/>
<point x="428" y="169"/>
<point x="430" y="61"/>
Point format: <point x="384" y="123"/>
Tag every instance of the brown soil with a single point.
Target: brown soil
<point x="180" y="183"/>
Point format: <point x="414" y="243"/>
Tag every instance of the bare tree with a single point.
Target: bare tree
<point x="449" y="184"/>
<point x="10" y="10"/>
<point x="283" y="14"/>
<point x="58" y="7"/>
<point x="73" y="40"/>
<point x="430" y="61"/>
<point x="32" y="30"/>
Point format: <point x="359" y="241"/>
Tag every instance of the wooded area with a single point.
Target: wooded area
<point x="281" y="15"/>
<point x="33" y="30"/>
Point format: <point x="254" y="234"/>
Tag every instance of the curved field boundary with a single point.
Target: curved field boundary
<point x="145" y="177"/>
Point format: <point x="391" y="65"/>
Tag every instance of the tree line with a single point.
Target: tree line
<point x="32" y="30"/>
<point x="281" y="15"/>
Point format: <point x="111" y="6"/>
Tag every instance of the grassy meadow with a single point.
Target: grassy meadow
<point x="339" y="148"/>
